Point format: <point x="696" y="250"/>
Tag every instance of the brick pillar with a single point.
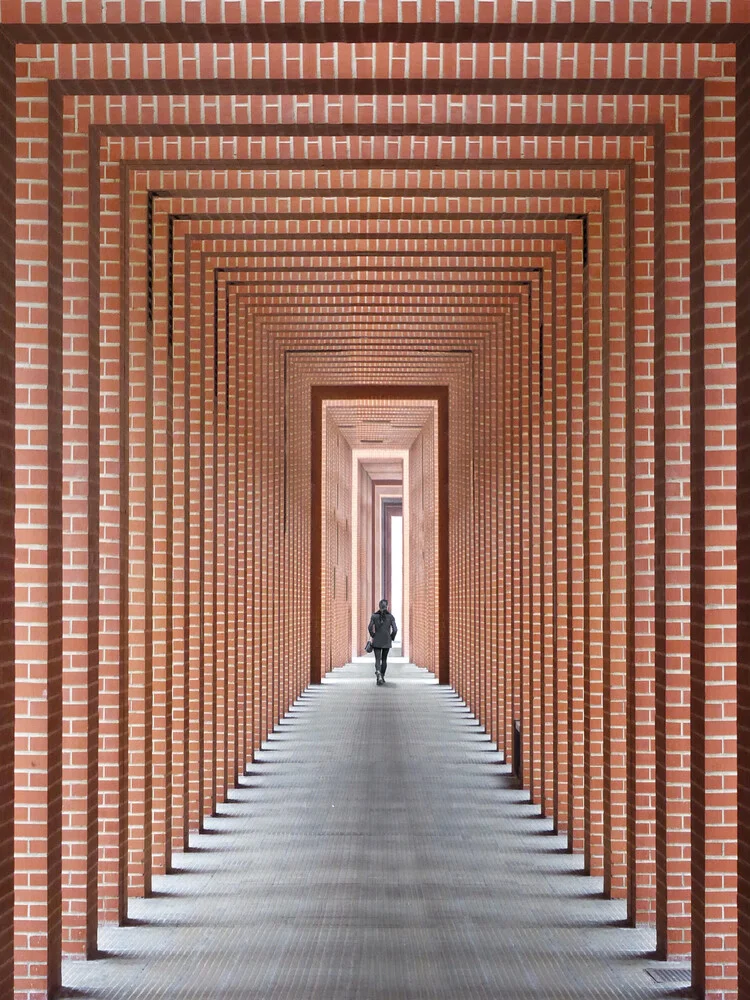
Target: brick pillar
<point x="215" y="315"/>
<point x="507" y="444"/>
<point x="742" y="110"/>
<point x="264" y="570"/>
<point x="140" y="565"/>
<point x="267" y="549"/>
<point x="525" y="540"/>
<point x="163" y="538"/>
<point x="593" y="539"/>
<point x="245" y="664"/>
<point x="195" y="407"/>
<point x="536" y="536"/>
<point x="560" y="460"/>
<point x="713" y="565"/>
<point x="180" y="549"/>
<point x="208" y="552"/>
<point x="574" y="540"/>
<point x="487" y="536"/>
<point x="232" y="542"/>
<point x="672" y="558"/>
<point x="547" y="450"/>
<point x="494" y="596"/>
<point x="516" y="690"/>
<point x="113" y="569"/>
<point x="276" y="522"/>
<point x="38" y="532"/>
<point x="640" y="594"/>
<point x="7" y="497"/>
<point x="613" y="368"/>
<point x="81" y="564"/>
<point x="253" y="677"/>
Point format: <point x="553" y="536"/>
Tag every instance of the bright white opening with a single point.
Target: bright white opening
<point x="397" y="572"/>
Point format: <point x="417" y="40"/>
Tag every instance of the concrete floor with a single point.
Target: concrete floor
<point x="377" y="850"/>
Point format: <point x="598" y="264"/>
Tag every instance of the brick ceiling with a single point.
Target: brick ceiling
<point x="375" y="423"/>
<point x="388" y="182"/>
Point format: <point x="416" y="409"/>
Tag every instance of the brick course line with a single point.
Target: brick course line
<point x="430" y="31"/>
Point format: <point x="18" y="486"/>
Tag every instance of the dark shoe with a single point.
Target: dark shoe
<point x="380" y="680"/>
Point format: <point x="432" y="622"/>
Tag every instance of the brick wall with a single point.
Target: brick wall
<point x="191" y="266"/>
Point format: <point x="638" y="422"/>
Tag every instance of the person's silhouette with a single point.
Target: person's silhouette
<point x="383" y="631"/>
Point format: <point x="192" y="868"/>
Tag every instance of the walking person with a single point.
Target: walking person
<point x="383" y="631"/>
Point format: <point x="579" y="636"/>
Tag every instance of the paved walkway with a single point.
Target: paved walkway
<point x="377" y="851"/>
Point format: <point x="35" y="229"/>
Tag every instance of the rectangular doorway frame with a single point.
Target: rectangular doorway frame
<point x="434" y="393"/>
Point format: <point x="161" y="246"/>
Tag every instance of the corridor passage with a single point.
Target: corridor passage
<point x="378" y="848"/>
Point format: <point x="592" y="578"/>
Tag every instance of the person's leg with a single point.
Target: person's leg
<point x="378" y="663"/>
<point x="383" y="661"/>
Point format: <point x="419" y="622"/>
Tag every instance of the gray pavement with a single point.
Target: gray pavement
<point x="377" y="850"/>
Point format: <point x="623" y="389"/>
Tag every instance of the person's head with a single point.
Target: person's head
<point x="383" y="606"/>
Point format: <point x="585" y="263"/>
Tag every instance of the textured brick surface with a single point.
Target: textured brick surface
<point x="377" y="848"/>
<point x="263" y="198"/>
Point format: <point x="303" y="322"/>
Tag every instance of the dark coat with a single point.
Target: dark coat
<point x="382" y="629"/>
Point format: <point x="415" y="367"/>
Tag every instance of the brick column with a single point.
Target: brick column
<point x="180" y="548"/>
<point x="113" y="555"/>
<point x="81" y="542"/>
<point x="253" y="679"/>
<point x="140" y="563"/>
<point x="234" y="502"/>
<point x="672" y="558"/>
<point x="536" y="535"/>
<point x="525" y="540"/>
<point x="232" y="543"/>
<point x="159" y="295"/>
<point x="208" y="551"/>
<point x="560" y="548"/>
<point x="516" y="552"/>
<point x="494" y="507"/>
<point x="195" y="408"/>
<point x="506" y="444"/>
<point x="7" y="495"/>
<point x="742" y="111"/>
<point x="276" y="523"/>
<point x="215" y="316"/>
<point x="593" y="545"/>
<point x="547" y="451"/>
<point x="575" y="547"/>
<point x="264" y="565"/>
<point x="38" y="534"/>
<point x="613" y="367"/>
<point x="640" y="582"/>
<point x="245" y="681"/>
<point x="712" y="535"/>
